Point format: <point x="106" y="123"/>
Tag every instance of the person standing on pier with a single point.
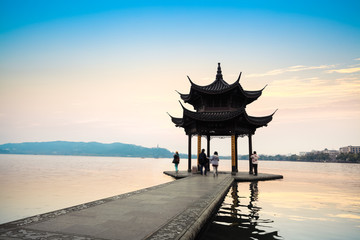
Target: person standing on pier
<point x="254" y="160"/>
<point x="203" y="161"/>
<point x="215" y="163"/>
<point x="176" y="161"/>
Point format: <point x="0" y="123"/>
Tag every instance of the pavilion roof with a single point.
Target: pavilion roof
<point x="223" y="120"/>
<point x="238" y="115"/>
<point x="220" y="86"/>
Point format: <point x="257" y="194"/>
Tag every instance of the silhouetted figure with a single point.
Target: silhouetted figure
<point x="203" y="161"/>
<point x="176" y="161"/>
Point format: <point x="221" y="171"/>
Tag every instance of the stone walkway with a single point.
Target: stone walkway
<point x="238" y="177"/>
<point x="175" y="210"/>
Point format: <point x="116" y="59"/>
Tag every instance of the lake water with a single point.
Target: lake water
<point x="313" y="201"/>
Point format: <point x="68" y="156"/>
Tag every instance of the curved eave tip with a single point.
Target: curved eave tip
<point x="264" y="88"/>
<point x="274" y="112"/>
<point x="238" y="80"/>
<point x="181" y="104"/>
<point x="169" y="115"/>
<point x="190" y="80"/>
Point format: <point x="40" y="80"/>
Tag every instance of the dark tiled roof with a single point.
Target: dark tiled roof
<point x="212" y="116"/>
<point x="259" y="121"/>
<point x="250" y="96"/>
<point x="222" y="116"/>
<point x="177" y="121"/>
<point x="220" y="86"/>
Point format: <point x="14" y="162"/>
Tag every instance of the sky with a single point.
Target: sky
<point x="107" y="71"/>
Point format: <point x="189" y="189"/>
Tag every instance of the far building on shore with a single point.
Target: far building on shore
<point x="350" y="149"/>
<point x="327" y="151"/>
<point x="334" y="153"/>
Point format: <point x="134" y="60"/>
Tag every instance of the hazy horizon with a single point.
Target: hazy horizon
<point x="193" y="153"/>
<point x="107" y="71"/>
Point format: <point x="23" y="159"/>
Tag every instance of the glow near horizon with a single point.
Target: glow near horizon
<point x="109" y="75"/>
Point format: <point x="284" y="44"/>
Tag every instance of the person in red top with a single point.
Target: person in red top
<point x="254" y="160"/>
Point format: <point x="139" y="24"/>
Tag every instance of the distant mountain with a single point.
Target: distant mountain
<point x="84" y="149"/>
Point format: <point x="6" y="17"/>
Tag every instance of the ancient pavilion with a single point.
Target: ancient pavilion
<point x="220" y="111"/>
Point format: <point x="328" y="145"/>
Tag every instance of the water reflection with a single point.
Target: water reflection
<point x="239" y="217"/>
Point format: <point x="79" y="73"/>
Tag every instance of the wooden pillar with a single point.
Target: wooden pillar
<point x="198" y="150"/>
<point x="233" y="157"/>
<point x="250" y="152"/>
<point x="208" y="145"/>
<point x="208" y="150"/>
<point x="189" y="153"/>
<point x="236" y="153"/>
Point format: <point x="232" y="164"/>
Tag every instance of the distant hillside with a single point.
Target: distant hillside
<point x="84" y="149"/>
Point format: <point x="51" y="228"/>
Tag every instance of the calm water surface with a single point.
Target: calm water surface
<point x="34" y="184"/>
<point x="313" y="201"/>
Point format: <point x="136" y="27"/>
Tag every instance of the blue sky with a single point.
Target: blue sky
<point x="96" y="70"/>
<point x="19" y="13"/>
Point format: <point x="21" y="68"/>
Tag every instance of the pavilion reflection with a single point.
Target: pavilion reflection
<point x="240" y="218"/>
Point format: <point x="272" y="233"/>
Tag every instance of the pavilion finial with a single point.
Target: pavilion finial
<point x="219" y="73"/>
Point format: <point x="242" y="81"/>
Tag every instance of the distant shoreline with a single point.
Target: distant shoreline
<point x="227" y="158"/>
<point x="65" y="148"/>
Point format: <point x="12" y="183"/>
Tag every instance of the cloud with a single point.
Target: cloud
<point x="315" y="87"/>
<point x="348" y="216"/>
<point x="345" y="70"/>
<point x="321" y="98"/>
<point x="296" y="68"/>
<point x="318" y="85"/>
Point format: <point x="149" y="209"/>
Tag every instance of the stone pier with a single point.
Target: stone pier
<point x="174" y="210"/>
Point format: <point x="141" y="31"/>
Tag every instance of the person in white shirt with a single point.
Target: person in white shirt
<point x="215" y="163"/>
<point x="254" y="160"/>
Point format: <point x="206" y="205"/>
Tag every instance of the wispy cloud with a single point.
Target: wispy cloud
<point x="305" y="99"/>
<point x="348" y="216"/>
<point x="310" y="87"/>
<point x="296" y="68"/>
<point x="345" y="70"/>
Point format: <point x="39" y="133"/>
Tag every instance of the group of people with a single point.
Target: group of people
<point x="214" y="161"/>
<point x="204" y="162"/>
